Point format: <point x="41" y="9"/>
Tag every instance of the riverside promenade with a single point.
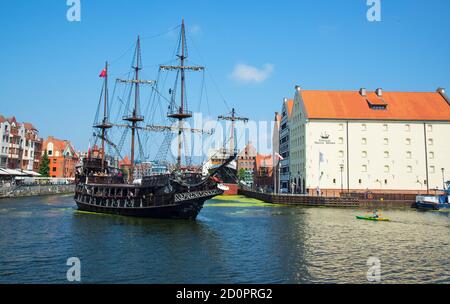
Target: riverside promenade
<point x="323" y="201"/>
<point x="37" y="190"/>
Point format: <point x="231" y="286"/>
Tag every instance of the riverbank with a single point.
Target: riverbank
<point x="38" y="190"/>
<point x="319" y="201"/>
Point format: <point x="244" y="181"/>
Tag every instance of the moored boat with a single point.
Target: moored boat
<point x="434" y="202"/>
<point x="176" y="194"/>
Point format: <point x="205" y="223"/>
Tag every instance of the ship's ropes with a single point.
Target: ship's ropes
<point x="122" y="139"/>
<point x="161" y="155"/>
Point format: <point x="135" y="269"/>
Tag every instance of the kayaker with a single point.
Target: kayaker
<point x="375" y="214"/>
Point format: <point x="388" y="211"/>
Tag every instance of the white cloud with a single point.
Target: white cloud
<point x="250" y="74"/>
<point x="195" y="29"/>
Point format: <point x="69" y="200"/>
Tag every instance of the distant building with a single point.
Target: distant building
<point x="125" y="166"/>
<point x="276" y="152"/>
<point x="284" y="144"/>
<point x="246" y="160"/>
<point x="355" y="141"/>
<point x="149" y="169"/>
<point x="20" y="145"/>
<point x="62" y="156"/>
<point x="263" y="175"/>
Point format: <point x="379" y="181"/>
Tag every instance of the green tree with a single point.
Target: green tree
<point x="242" y="174"/>
<point x="44" y="166"/>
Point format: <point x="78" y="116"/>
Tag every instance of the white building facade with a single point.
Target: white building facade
<point x="19" y="145"/>
<point x="355" y="141"/>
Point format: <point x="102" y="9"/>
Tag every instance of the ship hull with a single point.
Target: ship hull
<point x="185" y="211"/>
<point x="185" y="205"/>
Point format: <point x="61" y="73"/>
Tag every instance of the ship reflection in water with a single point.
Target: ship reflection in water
<point x="239" y="243"/>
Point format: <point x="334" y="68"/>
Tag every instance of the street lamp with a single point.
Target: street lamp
<point x="443" y="177"/>
<point x="342" y="178"/>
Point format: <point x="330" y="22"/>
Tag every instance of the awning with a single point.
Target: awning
<point x="12" y="172"/>
<point x="32" y="173"/>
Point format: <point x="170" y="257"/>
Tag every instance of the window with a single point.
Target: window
<point x="386" y="169"/>
<point x="341" y="140"/>
<point x="409" y="169"/>
<point x="431" y="155"/>
<point x="432" y="169"/>
<point x="430" y="141"/>
<point x="364" y="168"/>
<point x="364" y="154"/>
<point x="386" y="154"/>
<point x="363" y="127"/>
<point x="50" y="152"/>
<point x="341" y="154"/>
<point x="341" y="127"/>
<point x="407" y="128"/>
<point x="54" y="169"/>
<point x="386" y="141"/>
<point x="385" y="127"/>
<point x="364" y="141"/>
<point x="334" y="181"/>
<point x="408" y="155"/>
<point x="430" y="128"/>
<point x="360" y="181"/>
<point x="408" y="141"/>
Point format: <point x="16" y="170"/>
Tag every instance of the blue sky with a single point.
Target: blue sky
<point x="49" y="67"/>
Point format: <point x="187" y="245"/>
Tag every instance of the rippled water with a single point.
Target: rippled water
<point x="241" y="243"/>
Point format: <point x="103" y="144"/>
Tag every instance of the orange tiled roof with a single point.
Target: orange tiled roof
<point x="289" y="107"/>
<point x="58" y="144"/>
<point x="125" y="162"/>
<point x="400" y="105"/>
<point x="263" y="160"/>
<point x="29" y="126"/>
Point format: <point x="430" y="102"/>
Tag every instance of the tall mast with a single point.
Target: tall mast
<point x="105" y="115"/>
<point x="182" y="113"/>
<point x="104" y="125"/>
<point x="233" y="118"/>
<point x="180" y="121"/>
<point x="135" y="118"/>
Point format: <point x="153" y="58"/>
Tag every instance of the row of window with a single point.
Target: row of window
<point x="364" y="154"/>
<point x="409" y="169"/>
<point x="360" y="181"/>
<point x="386" y="127"/>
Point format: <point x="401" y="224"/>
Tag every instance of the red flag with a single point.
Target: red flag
<point x="103" y="74"/>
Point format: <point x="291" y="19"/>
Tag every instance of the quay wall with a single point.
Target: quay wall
<point x="323" y="201"/>
<point x="38" y="190"/>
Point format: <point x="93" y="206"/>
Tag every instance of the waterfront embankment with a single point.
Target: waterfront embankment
<point x="36" y="190"/>
<point x="322" y="201"/>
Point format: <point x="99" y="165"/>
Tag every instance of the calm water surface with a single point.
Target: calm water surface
<point x="241" y="243"/>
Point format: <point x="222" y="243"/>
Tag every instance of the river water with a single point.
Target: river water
<point x="231" y="242"/>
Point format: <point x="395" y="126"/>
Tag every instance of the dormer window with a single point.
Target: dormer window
<point x="377" y="106"/>
<point x="376" y="102"/>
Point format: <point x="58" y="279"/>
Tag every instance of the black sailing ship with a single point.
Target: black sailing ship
<point x="179" y="194"/>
